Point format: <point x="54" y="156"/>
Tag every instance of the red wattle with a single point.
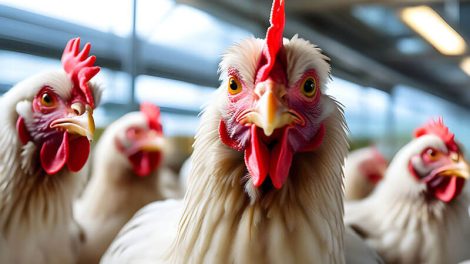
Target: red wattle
<point x="54" y="154"/>
<point x="374" y="177"/>
<point x="257" y="158"/>
<point x="226" y="139"/>
<point x="23" y="132"/>
<point x="281" y="160"/>
<point x="449" y="189"/>
<point x="78" y="154"/>
<point x="143" y="163"/>
<point x="316" y="140"/>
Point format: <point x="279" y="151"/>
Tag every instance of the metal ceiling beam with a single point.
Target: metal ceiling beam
<point x="39" y="35"/>
<point x="305" y="6"/>
<point x="348" y="61"/>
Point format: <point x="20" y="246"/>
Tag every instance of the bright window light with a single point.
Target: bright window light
<point x="172" y="93"/>
<point x="188" y="29"/>
<point x="104" y="15"/>
<point x="465" y="65"/>
<point x="426" y="22"/>
<point x="22" y="66"/>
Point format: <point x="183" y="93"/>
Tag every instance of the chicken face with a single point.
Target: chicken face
<point x="440" y="164"/>
<point x="59" y="119"/>
<point x="142" y="143"/>
<point x="373" y="166"/>
<point x="274" y="107"/>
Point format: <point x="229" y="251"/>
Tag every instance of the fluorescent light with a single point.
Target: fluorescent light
<point x="465" y="65"/>
<point x="426" y="22"/>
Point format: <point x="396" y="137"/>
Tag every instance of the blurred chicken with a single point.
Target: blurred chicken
<point x="418" y="213"/>
<point x="46" y="125"/>
<point x="363" y="169"/>
<point x="266" y="177"/>
<point x="127" y="174"/>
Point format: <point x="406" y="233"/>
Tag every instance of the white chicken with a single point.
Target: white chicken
<point x="418" y="213"/>
<point x="127" y="174"/>
<point x="265" y="183"/>
<point x="363" y="169"/>
<point x="46" y="125"/>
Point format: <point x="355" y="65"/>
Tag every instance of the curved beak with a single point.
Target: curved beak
<point x="152" y="142"/>
<point x="270" y="112"/>
<point x="459" y="169"/>
<point x="81" y="124"/>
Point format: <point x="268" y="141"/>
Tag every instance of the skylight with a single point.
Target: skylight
<point x="104" y="15"/>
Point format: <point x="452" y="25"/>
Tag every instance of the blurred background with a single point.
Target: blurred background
<point x="396" y="63"/>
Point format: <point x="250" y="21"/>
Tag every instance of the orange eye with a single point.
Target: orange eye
<point x="309" y="87"/>
<point x="433" y="154"/>
<point x="234" y="86"/>
<point x="47" y="100"/>
<point x="135" y="132"/>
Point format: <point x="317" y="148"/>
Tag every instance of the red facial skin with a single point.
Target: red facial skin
<point x="58" y="147"/>
<point x="374" y="167"/>
<point x="57" y="126"/>
<point x="440" y="175"/>
<point x="272" y="155"/>
<point x="143" y="161"/>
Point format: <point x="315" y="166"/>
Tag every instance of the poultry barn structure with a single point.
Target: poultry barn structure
<point x="103" y="104"/>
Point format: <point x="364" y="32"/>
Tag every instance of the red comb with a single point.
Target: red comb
<point x="79" y="67"/>
<point x="273" y="40"/>
<point x="437" y="127"/>
<point x="152" y="113"/>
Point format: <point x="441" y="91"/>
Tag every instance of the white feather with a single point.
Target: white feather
<point x="36" y="224"/>
<point x="224" y="222"/>
<point x="115" y="192"/>
<point x="402" y="225"/>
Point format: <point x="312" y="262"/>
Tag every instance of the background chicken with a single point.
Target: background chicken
<point x="46" y="126"/>
<point x="418" y="214"/>
<point x="127" y="174"/>
<point x="363" y="169"/>
<point x="265" y="183"/>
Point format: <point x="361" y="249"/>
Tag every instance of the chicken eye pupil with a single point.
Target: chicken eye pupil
<point x="309" y="86"/>
<point x="432" y="153"/>
<point x="46" y="98"/>
<point x="233" y="85"/>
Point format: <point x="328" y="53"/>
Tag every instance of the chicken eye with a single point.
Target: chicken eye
<point x="309" y="87"/>
<point x="432" y="154"/>
<point x="135" y="132"/>
<point x="234" y="86"/>
<point x="47" y="100"/>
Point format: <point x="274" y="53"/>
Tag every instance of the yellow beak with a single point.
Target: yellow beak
<point x="460" y="169"/>
<point x="270" y="113"/>
<point x="82" y="124"/>
<point x="151" y="143"/>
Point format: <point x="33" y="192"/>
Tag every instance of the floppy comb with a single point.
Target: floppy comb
<point x="79" y="67"/>
<point x="152" y="114"/>
<point x="273" y="40"/>
<point x="437" y="127"/>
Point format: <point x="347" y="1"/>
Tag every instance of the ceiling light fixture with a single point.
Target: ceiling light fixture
<point x="432" y="27"/>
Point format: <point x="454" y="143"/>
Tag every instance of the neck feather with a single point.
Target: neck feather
<point x="29" y="198"/>
<point x="301" y="222"/>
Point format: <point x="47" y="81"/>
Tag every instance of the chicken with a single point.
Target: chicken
<point x="46" y="127"/>
<point x="266" y="177"/>
<point x="418" y="213"/>
<point x="363" y="169"/>
<point x="127" y="174"/>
